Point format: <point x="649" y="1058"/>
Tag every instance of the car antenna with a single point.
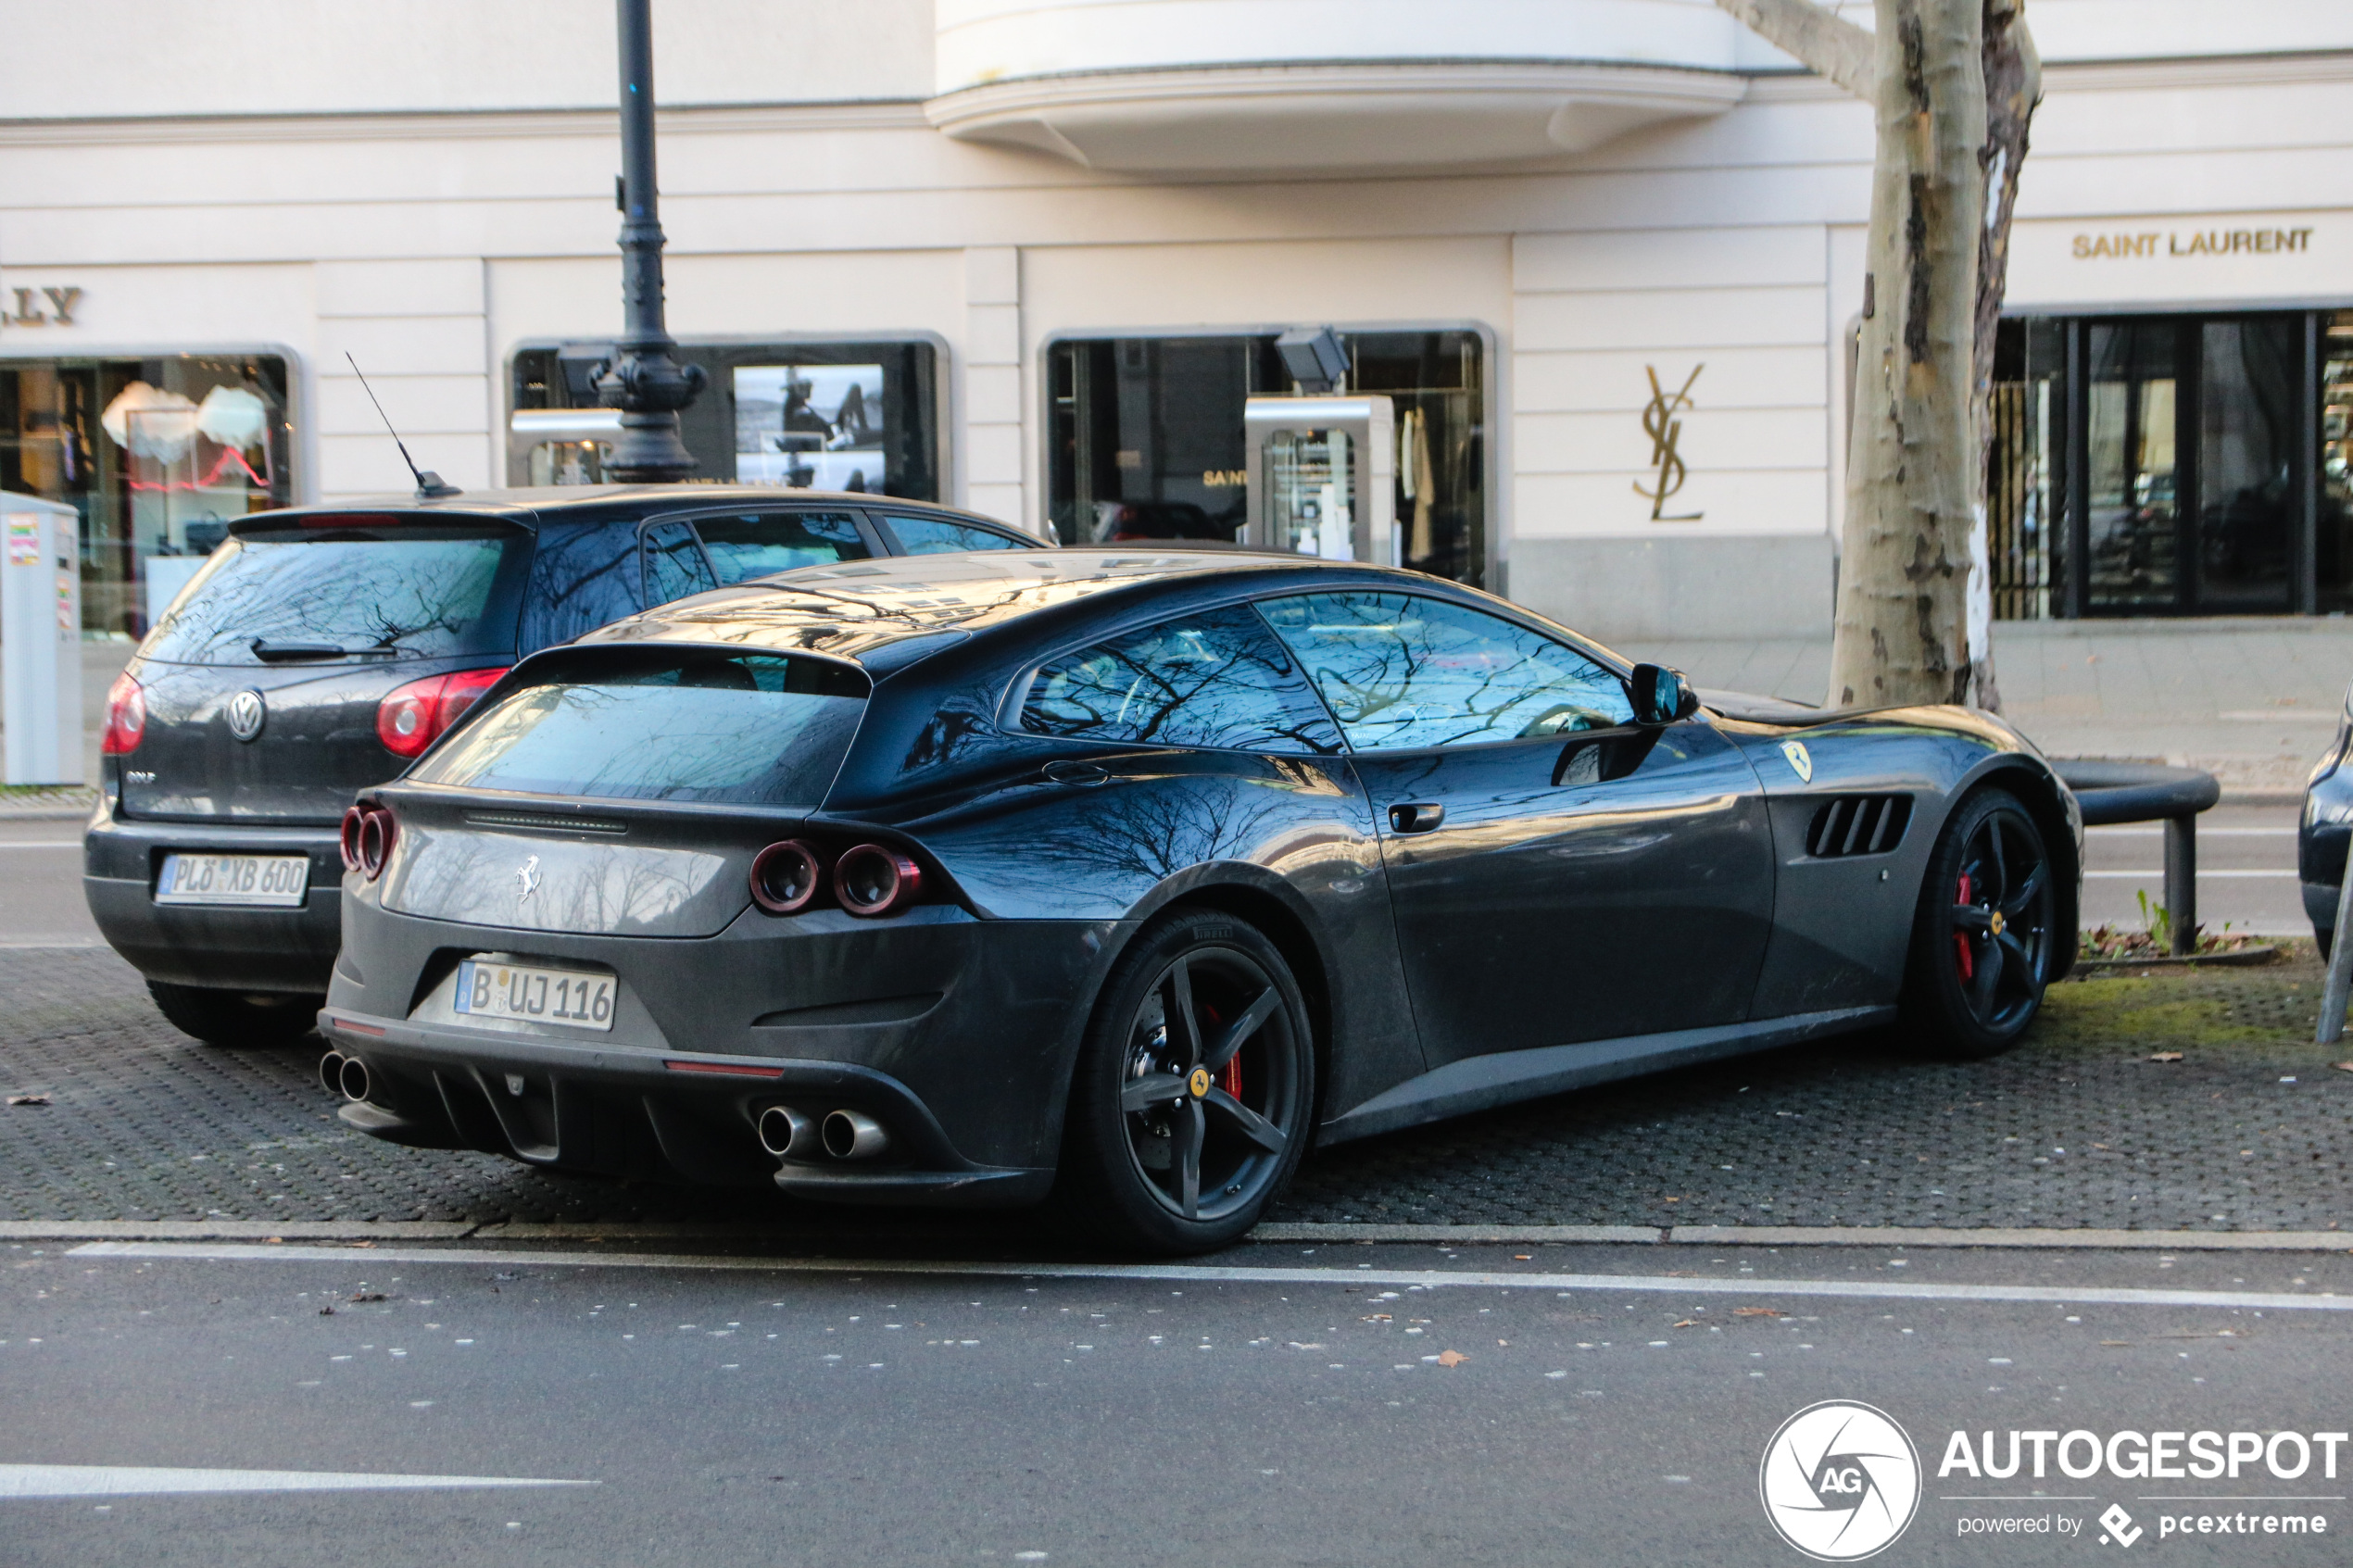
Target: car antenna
<point x="431" y="486"/>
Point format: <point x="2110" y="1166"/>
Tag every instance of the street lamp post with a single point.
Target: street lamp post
<point x="642" y="379"/>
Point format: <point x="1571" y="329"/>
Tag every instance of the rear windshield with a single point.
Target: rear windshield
<point x="757" y="729"/>
<point x="398" y="591"/>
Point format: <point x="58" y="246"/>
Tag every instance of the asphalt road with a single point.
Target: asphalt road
<point x="1355" y="1409"/>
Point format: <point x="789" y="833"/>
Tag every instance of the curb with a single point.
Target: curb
<point x="1901" y="1236"/>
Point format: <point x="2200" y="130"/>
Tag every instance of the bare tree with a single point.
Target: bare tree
<point x="1954" y="83"/>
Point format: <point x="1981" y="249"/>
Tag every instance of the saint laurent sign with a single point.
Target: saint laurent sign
<point x="2201" y="242"/>
<point x="29" y="311"/>
<point x="1667" y="435"/>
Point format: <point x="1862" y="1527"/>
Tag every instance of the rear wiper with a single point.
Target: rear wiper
<point x="277" y="653"/>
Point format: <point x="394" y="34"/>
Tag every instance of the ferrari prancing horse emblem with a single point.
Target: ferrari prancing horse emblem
<point x="1798" y="761"/>
<point x="1199" y="1083"/>
<point x="529" y="876"/>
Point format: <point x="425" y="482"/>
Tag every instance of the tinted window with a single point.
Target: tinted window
<point x="581" y="578"/>
<point x="771" y="730"/>
<point x="674" y="564"/>
<point x="398" y="590"/>
<point x="1403" y="670"/>
<point x="754" y="545"/>
<point x="1211" y="680"/>
<point x="931" y="536"/>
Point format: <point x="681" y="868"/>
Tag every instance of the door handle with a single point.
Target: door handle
<point x="1417" y="818"/>
<point x="1067" y="772"/>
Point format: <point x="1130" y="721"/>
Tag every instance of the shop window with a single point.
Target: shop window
<point x="2334" y="542"/>
<point x="2022" y="493"/>
<point x="158" y="455"/>
<point x="856" y="416"/>
<point x="1145" y="437"/>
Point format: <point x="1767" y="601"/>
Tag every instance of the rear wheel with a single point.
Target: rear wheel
<point x="1983" y="939"/>
<point x="237" y="1018"/>
<point x="1190" y="1104"/>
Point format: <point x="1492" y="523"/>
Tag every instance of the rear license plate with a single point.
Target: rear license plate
<point x="271" y="880"/>
<point x="535" y="994"/>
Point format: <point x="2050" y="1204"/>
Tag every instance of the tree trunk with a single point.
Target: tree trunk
<point x="1902" y="628"/>
<point x="2013" y="88"/>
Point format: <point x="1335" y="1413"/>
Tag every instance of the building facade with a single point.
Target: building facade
<point x="1604" y="256"/>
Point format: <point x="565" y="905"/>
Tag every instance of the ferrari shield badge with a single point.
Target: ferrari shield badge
<point x="1798" y="760"/>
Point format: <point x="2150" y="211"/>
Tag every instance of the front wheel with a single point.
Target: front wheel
<point x="1983" y="939"/>
<point x="1191" y="1101"/>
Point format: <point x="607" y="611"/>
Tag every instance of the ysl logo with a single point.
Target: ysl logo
<point x="1666" y="432"/>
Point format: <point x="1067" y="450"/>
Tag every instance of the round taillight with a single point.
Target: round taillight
<point x="377" y="831"/>
<point x="352" y="821"/>
<point x="871" y="879"/>
<point x="126" y="717"/>
<point x="785" y="877"/>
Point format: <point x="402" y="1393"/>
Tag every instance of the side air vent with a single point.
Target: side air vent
<point x="1858" y="824"/>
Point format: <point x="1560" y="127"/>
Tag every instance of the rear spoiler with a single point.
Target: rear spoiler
<point x="272" y="522"/>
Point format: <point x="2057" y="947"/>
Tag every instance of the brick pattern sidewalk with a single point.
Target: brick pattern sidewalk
<point x="145" y="1125"/>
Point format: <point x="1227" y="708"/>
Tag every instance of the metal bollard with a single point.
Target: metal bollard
<point x="2340" y="961"/>
<point x="2181" y="879"/>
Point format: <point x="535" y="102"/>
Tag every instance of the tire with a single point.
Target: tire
<point x="237" y="1018"/>
<point x="1149" y="1097"/>
<point x="1982" y="937"/>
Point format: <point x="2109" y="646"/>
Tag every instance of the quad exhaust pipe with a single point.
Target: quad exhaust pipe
<point x="789" y="1134"/>
<point x="345" y="1075"/>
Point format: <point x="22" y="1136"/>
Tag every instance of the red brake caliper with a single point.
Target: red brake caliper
<point x="1961" y="952"/>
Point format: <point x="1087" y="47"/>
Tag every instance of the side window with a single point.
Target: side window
<point x="933" y="535"/>
<point x="1215" y="680"/>
<point x="674" y="564"/>
<point x="581" y="578"/>
<point x="1401" y="671"/>
<point x="754" y="545"/>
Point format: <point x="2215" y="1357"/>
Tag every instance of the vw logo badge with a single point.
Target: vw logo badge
<point x="247" y="713"/>
<point x="1840" y="1481"/>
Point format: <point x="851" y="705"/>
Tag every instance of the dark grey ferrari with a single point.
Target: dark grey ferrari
<point x="970" y="879"/>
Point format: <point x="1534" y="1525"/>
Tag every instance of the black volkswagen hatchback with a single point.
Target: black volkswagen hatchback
<point x="320" y="650"/>
<point x="947" y="881"/>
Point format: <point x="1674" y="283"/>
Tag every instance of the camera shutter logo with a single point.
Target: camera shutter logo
<point x="1840" y="1481"/>
<point x="247" y="713"/>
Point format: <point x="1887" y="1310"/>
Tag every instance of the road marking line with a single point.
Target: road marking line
<point x="123" y="1481"/>
<point x="2202" y="875"/>
<point x="1211" y="1274"/>
<point x="44" y="844"/>
<point x="2203" y="833"/>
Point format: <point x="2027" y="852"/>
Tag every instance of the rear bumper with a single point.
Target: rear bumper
<point x="242" y="950"/>
<point x="956" y="1035"/>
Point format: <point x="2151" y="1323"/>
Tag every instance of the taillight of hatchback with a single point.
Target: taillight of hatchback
<point x="416" y="715"/>
<point x="126" y="717"/>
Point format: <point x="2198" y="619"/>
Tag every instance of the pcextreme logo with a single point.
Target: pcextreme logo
<point x="1840" y="1481"/>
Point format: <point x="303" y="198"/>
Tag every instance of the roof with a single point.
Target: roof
<point x="854" y="610"/>
<point x="556" y="500"/>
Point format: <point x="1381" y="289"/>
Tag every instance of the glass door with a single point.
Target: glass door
<point x="2131" y="437"/>
<point x="2251" y="419"/>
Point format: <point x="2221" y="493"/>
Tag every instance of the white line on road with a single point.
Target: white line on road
<point x="122" y="1481"/>
<point x="2202" y="876"/>
<point x="1211" y="1274"/>
<point x="44" y="844"/>
<point x="2202" y="833"/>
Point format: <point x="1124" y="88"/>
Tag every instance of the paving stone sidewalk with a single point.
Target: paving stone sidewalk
<point x="2075" y="1129"/>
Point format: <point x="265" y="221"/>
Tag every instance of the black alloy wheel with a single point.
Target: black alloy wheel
<point x="1982" y="944"/>
<point x="1191" y="1101"/>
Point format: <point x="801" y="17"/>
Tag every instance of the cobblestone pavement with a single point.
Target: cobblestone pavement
<point x="2076" y="1128"/>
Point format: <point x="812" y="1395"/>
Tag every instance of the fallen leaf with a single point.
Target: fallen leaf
<point x="1377" y="1317"/>
<point x="326" y="1312"/>
<point x="366" y="1296"/>
<point x="1688" y="1323"/>
<point x="1757" y="1312"/>
<point x="1452" y="1357"/>
<point x="1674" y="1200"/>
<point x="28" y="1100"/>
<point x="2167" y="1055"/>
<point x="1530" y="1257"/>
<point x="2343" y="1066"/>
<point x="2117" y="1343"/>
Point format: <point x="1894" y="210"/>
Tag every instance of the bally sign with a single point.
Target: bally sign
<point x="39" y="307"/>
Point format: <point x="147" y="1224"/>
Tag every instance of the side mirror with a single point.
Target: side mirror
<point x="1661" y="696"/>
